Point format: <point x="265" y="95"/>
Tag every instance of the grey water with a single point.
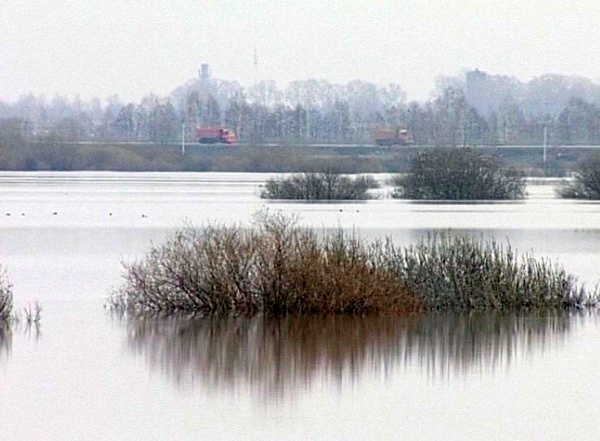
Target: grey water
<point x="87" y="373"/>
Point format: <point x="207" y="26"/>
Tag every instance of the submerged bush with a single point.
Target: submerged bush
<point x="458" y="174"/>
<point x="319" y="186"/>
<point x="277" y="268"/>
<point x="586" y="181"/>
<point x="6" y="297"/>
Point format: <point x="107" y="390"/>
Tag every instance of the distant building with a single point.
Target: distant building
<point x="203" y="85"/>
<point x="475" y="88"/>
<point x="204" y="75"/>
<point x="487" y="93"/>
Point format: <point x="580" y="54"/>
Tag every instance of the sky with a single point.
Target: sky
<point x="134" y="47"/>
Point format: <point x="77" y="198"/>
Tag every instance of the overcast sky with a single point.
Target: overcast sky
<point x="133" y="47"/>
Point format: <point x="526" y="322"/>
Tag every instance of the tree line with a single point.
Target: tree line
<point x="477" y="109"/>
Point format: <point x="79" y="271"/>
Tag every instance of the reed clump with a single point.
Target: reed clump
<point x="586" y="181"/>
<point x="325" y="185"/>
<point x="458" y="174"/>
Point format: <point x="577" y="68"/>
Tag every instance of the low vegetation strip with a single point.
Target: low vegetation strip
<point x="458" y="174"/>
<point x="319" y="186"/>
<point x="278" y="268"/>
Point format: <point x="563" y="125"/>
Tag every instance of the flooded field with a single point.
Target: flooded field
<point x="89" y="374"/>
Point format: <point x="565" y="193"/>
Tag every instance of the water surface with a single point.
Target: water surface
<point x="87" y="374"/>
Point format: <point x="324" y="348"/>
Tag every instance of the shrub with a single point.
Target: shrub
<point x="277" y="268"/>
<point x="458" y="173"/>
<point x="319" y="186"/>
<point x="586" y="181"/>
<point x="460" y="273"/>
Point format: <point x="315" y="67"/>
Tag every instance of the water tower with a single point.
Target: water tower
<point x="204" y="77"/>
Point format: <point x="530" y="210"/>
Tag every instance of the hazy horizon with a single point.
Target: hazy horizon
<point x="102" y="48"/>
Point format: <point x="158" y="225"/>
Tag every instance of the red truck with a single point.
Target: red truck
<point x="391" y="137"/>
<point x="215" y="134"/>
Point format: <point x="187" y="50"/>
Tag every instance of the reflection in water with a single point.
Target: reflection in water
<point x="280" y="356"/>
<point x="5" y="341"/>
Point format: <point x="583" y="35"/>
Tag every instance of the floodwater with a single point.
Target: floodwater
<point x="88" y="374"/>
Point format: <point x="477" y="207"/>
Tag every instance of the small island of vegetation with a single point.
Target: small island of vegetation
<point x="326" y="185"/>
<point x="278" y="268"/>
<point x="458" y="174"/>
<point x="586" y="181"/>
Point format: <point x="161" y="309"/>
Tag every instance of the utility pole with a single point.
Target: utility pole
<point x="183" y="136"/>
<point x="307" y="116"/>
<point x="545" y="144"/>
<point x="255" y="106"/>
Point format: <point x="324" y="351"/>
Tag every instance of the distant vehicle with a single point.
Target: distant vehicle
<point x="214" y="135"/>
<point x="391" y="137"/>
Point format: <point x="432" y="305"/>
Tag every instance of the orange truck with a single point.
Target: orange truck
<point x="214" y="135"/>
<point x="391" y="137"/>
